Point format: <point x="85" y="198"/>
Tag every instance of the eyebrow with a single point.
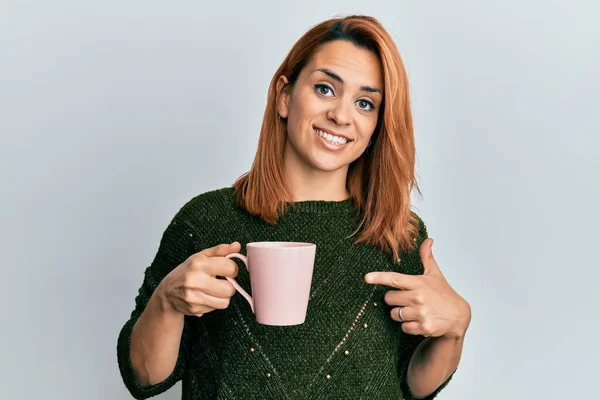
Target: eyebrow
<point x="338" y="78"/>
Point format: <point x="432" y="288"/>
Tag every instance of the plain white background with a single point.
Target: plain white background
<point x="114" y="114"/>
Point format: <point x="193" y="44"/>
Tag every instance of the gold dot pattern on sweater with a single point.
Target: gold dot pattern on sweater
<point x="287" y="362"/>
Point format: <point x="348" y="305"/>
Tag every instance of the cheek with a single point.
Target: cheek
<point x="367" y="129"/>
<point x="303" y="107"/>
<point x="294" y="114"/>
<point x="295" y="123"/>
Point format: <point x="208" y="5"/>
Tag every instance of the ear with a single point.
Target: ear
<point x="283" y="96"/>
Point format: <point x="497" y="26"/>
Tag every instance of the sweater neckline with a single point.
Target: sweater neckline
<point x="323" y="206"/>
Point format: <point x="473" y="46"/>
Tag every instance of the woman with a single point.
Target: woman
<point x="335" y="167"/>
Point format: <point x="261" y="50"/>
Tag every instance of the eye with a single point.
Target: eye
<point x="323" y="90"/>
<point x="365" y="105"/>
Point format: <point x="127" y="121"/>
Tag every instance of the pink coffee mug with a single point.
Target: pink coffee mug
<point x="280" y="279"/>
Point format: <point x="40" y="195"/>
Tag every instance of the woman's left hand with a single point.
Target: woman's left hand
<point x="427" y="303"/>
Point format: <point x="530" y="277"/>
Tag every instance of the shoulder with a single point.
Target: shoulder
<point x="421" y="233"/>
<point x="216" y="202"/>
<point x="411" y="260"/>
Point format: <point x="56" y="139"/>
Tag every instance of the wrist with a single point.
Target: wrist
<point x="459" y="330"/>
<point x="161" y="304"/>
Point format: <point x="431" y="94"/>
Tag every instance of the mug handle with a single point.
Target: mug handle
<point x="235" y="284"/>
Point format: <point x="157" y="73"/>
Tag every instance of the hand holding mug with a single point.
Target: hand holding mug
<point x="192" y="288"/>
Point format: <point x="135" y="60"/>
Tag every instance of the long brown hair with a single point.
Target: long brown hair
<point x="381" y="180"/>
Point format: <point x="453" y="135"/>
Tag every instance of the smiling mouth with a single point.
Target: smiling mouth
<point x="331" y="138"/>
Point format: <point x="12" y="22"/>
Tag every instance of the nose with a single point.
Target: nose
<point x="339" y="113"/>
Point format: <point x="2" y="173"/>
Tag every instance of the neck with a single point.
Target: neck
<point x="306" y="183"/>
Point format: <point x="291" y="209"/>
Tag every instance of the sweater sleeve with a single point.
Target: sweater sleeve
<point x="410" y="342"/>
<point x="174" y="248"/>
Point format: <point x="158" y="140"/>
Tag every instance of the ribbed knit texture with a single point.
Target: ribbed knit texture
<point x="348" y="347"/>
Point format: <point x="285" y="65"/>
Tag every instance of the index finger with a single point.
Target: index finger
<point x="222" y="250"/>
<point x="393" y="279"/>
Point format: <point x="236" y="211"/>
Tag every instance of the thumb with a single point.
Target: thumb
<point x="222" y="250"/>
<point x="426" y="253"/>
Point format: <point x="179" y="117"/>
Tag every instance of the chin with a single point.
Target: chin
<point x="328" y="165"/>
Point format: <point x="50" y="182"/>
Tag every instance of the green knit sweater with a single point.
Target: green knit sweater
<point x="348" y="347"/>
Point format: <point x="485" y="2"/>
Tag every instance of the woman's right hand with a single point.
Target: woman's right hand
<point x="192" y="288"/>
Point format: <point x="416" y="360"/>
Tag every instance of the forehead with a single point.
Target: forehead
<point x="354" y="65"/>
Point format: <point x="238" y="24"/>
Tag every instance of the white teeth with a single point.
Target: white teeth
<point x="330" y="138"/>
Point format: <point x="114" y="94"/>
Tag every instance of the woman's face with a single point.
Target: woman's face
<point x="333" y="107"/>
